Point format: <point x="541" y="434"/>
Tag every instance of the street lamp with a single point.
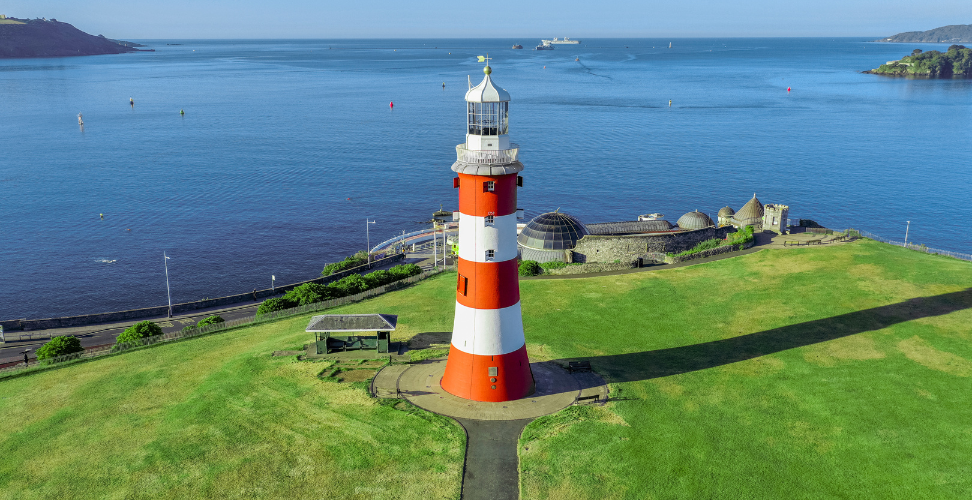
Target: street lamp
<point x="906" y="233"/>
<point x="167" y="290"/>
<point x="403" y="241"/>
<point x="368" y="235"/>
<point x="272" y="287"/>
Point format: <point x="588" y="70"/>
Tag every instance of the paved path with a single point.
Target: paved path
<point x="491" y="470"/>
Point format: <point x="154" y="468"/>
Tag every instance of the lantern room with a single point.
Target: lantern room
<point x="487" y="116"/>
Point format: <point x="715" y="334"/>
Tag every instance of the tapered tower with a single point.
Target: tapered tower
<point x="487" y="359"/>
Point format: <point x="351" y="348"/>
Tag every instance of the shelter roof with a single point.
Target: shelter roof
<point x="353" y="323"/>
<point x="751" y="211"/>
<point x="694" y="220"/>
<point x="552" y="231"/>
<point x="630" y="227"/>
<point x="726" y="212"/>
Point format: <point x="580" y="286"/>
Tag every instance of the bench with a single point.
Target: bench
<point x="596" y="398"/>
<point x="578" y="366"/>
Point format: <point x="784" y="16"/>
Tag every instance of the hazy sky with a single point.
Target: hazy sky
<point x="133" y="19"/>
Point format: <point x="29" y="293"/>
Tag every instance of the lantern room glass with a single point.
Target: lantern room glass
<point x="488" y="118"/>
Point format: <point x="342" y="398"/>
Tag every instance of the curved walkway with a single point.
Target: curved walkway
<point x="491" y="470"/>
<point x="763" y="241"/>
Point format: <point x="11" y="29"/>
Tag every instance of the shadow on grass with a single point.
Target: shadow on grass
<point x="664" y="362"/>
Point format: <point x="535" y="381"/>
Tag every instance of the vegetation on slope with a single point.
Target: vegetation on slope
<point x="815" y="372"/>
<point x="955" y="33"/>
<point x="818" y="372"/>
<point x="956" y="62"/>
<point x="218" y="417"/>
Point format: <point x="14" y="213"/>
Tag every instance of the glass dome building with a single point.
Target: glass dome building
<point x="549" y="235"/>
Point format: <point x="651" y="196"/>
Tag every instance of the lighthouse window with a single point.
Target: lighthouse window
<point x="489" y="220"/>
<point x="489" y="186"/>
<point x="490" y="254"/>
<point x="488" y="118"/>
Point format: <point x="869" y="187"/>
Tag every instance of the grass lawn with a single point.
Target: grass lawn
<point x="811" y="372"/>
<point x="798" y="373"/>
<point x="218" y="417"/>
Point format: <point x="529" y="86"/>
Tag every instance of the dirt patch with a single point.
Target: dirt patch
<point x="425" y="340"/>
<point x="287" y="353"/>
<point x="856" y="347"/>
<point x="355" y="375"/>
<point x="921" y="352"/>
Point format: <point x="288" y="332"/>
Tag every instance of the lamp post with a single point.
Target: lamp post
<point x="168" y="292"/>
<point x="906" y="233"/>
<point x="368" y="235"/>
<point x="403" y="241"/>
<point x="273" y="288"/>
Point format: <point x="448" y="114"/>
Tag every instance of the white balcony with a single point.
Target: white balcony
<point x="487" y="156"/>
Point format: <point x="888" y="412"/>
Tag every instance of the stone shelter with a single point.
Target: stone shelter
<point x="548" y="236"/>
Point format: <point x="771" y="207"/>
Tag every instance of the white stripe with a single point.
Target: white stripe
<point x="475" y="237"/>
<point x="488" y="332"/>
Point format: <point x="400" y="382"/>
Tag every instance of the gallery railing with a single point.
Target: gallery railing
<point x="487" y="156"/>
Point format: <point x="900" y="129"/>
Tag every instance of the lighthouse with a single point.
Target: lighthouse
<point x="487" y="358"/>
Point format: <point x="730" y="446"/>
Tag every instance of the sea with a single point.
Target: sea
<point x="287" y="147"/>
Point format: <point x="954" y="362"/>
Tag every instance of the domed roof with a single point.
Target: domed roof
<point x="552" y="231"/>
<point x="694" y="220"/>
<point x="751" y="212"/>
<point x="726" y="212"/>
<point x="487" y="92"/>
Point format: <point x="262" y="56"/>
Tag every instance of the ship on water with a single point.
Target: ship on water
<point x="544" y="45"/>
<point x="565" y="41"/>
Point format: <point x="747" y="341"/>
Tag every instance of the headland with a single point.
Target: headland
<point x="954" y="63"/>
<point x="51" y="38"/>
<point x="955" y="33"/>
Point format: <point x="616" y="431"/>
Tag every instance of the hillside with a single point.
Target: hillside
<point x="51" y="38"/>
<point x="956" y="33"/>
<point x="954" y="63"/>
<point x="837" y="371"/>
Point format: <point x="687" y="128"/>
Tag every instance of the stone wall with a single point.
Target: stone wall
<point x="594" y="267"/>
<point x="627" y="248"/>
<point x="149" y="312"/>
<point x="708" y="253"/>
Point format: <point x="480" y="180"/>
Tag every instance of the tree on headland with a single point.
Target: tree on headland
<point x="956" y="62"/>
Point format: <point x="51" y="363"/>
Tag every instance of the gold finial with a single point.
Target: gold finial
<point x="487" y="69"/>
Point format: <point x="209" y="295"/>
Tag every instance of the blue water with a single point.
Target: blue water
<point x="254" y="180"/>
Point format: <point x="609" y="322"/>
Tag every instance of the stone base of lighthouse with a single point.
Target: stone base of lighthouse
<point x="502" y="377"/>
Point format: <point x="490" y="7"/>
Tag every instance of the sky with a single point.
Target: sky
<point x="157" y="19"/>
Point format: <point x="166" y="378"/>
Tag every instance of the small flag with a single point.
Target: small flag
<point x="481" y="58"/>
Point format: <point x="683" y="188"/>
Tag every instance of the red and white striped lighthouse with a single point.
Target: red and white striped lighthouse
<point x="487" y="359"/>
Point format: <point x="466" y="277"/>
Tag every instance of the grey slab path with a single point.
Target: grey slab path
<point x="491" y="470"/>
<point x="492" y="464"/>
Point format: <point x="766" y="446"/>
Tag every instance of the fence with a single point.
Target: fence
<point x="206" y="330"/>
<point x="918" y="248"/>
<point x="91" y="319"/>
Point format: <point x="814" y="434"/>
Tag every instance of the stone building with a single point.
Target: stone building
<point x="725" y="216"/>
<point x="774" y="217"/>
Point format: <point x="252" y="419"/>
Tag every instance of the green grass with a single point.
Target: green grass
<point x="808" y="373"/>
<point x="804" y="373"/>
<point x="218" y="417"/>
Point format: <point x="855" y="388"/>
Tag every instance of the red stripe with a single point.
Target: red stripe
<point x="489" y="285"/>
<point x="473" y="200"/>
<point x="467" y="376"/>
